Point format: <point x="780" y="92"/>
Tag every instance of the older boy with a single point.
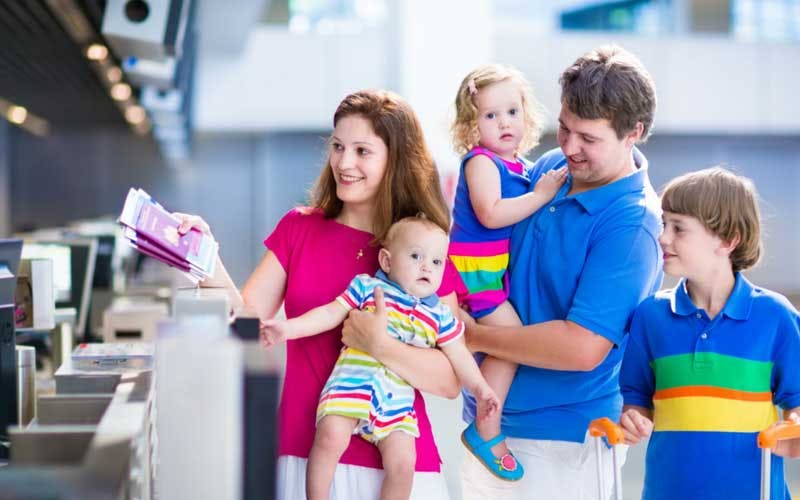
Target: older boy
<point x="708" y="360"/>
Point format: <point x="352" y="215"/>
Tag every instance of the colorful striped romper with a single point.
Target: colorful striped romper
<point x="480" y="254"/>
<point x="359" y="386"/>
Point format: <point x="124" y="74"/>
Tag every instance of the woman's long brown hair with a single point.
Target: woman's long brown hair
<point x="410" y="184"/>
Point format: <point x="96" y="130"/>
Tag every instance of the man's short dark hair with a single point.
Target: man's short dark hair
<point x="610" y="83"/>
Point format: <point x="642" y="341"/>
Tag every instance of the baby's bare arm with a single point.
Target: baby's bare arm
<point x="318" y="320"/>
<point x="464" y="365"/>
<point x="471" y="377"/>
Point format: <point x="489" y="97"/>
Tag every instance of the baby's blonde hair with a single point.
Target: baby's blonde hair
<point x="405" y="224"/>
<point x="465" y="126"/>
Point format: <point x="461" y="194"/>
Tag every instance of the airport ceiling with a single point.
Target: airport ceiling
<point x="44" y="70"/>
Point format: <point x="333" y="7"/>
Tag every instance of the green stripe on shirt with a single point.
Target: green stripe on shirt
<point x="708" y="368"/>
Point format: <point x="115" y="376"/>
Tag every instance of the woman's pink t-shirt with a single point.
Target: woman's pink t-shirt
<point x="321" y="257"/>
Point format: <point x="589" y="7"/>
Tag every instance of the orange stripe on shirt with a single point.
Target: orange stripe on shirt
<point x="712" y="391"/>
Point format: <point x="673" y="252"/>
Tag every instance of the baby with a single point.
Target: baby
<point x="364" y="397"/>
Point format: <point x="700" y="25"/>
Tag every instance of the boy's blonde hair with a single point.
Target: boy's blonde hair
<point x="405" y="224"/>
<point x="726" y="204"/>
<point x="465" y="126"/>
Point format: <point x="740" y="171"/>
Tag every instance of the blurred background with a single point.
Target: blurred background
<point x="232" y="123"/>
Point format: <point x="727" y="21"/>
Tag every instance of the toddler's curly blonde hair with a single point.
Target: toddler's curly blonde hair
<point x="465" y="126"/>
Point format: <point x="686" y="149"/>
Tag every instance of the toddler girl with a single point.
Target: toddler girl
<point x="497" y="121"/>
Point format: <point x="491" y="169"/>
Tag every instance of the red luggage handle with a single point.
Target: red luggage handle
<point x="605" y="427"/>
<point x="782" y="431"/>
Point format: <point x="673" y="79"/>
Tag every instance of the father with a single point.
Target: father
<point x="579" y="267"/>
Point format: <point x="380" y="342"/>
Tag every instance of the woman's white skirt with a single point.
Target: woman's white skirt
<point x="352" y="481"/>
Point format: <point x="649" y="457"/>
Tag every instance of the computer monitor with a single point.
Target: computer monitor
<point x="104" y="264"/>
<point x="60" y="254"/>
<point x="111" y="251"/>
<point x="103" y="283"/>
<point x="108" y="278"/>
<point x="82" y="256"/>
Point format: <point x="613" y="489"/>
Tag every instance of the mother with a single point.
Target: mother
<point x="378" y="171"/>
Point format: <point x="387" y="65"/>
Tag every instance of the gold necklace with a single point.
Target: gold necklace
<point x="343" y="222"/>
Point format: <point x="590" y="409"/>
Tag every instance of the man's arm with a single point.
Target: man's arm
<point x="619" y="271"/>
<point x="555" y="345"/>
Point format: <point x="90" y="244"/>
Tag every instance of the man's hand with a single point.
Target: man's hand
<point x="470" y="327"/>
<point x="366" y="331"/>
<point x="635" y="426"/>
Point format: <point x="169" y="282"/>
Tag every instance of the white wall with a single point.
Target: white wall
<point x="283" y="81"/>
<point x="436" y="44"/>
<point x="704" y="84"/>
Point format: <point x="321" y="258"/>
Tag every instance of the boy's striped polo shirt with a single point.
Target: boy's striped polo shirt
<point x="713" y="384"/>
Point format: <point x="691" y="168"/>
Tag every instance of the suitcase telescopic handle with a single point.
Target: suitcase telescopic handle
<point x="600" y="428"/>
<point x="767" y="440"/>
<point x="787" y="429"/>
<point x="604" y="427"/>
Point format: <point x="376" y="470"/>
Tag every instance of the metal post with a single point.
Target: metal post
<point x="600" y="481"/>
<point x="617" y="474"/>
<point x="766" y="473"/>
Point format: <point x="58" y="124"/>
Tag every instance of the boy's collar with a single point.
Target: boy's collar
<point x="737" y="306"/>
<point x="430" y="300"/>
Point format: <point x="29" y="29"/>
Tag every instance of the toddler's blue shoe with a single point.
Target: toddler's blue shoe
<point x="506" y="467"/>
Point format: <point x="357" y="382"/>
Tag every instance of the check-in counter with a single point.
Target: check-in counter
<point x="87" y="438"/>
<point x="199" y="419"/>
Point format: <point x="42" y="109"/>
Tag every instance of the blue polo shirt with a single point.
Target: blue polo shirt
<point x="590" y="258"/>
<point x="713" y="385"/>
